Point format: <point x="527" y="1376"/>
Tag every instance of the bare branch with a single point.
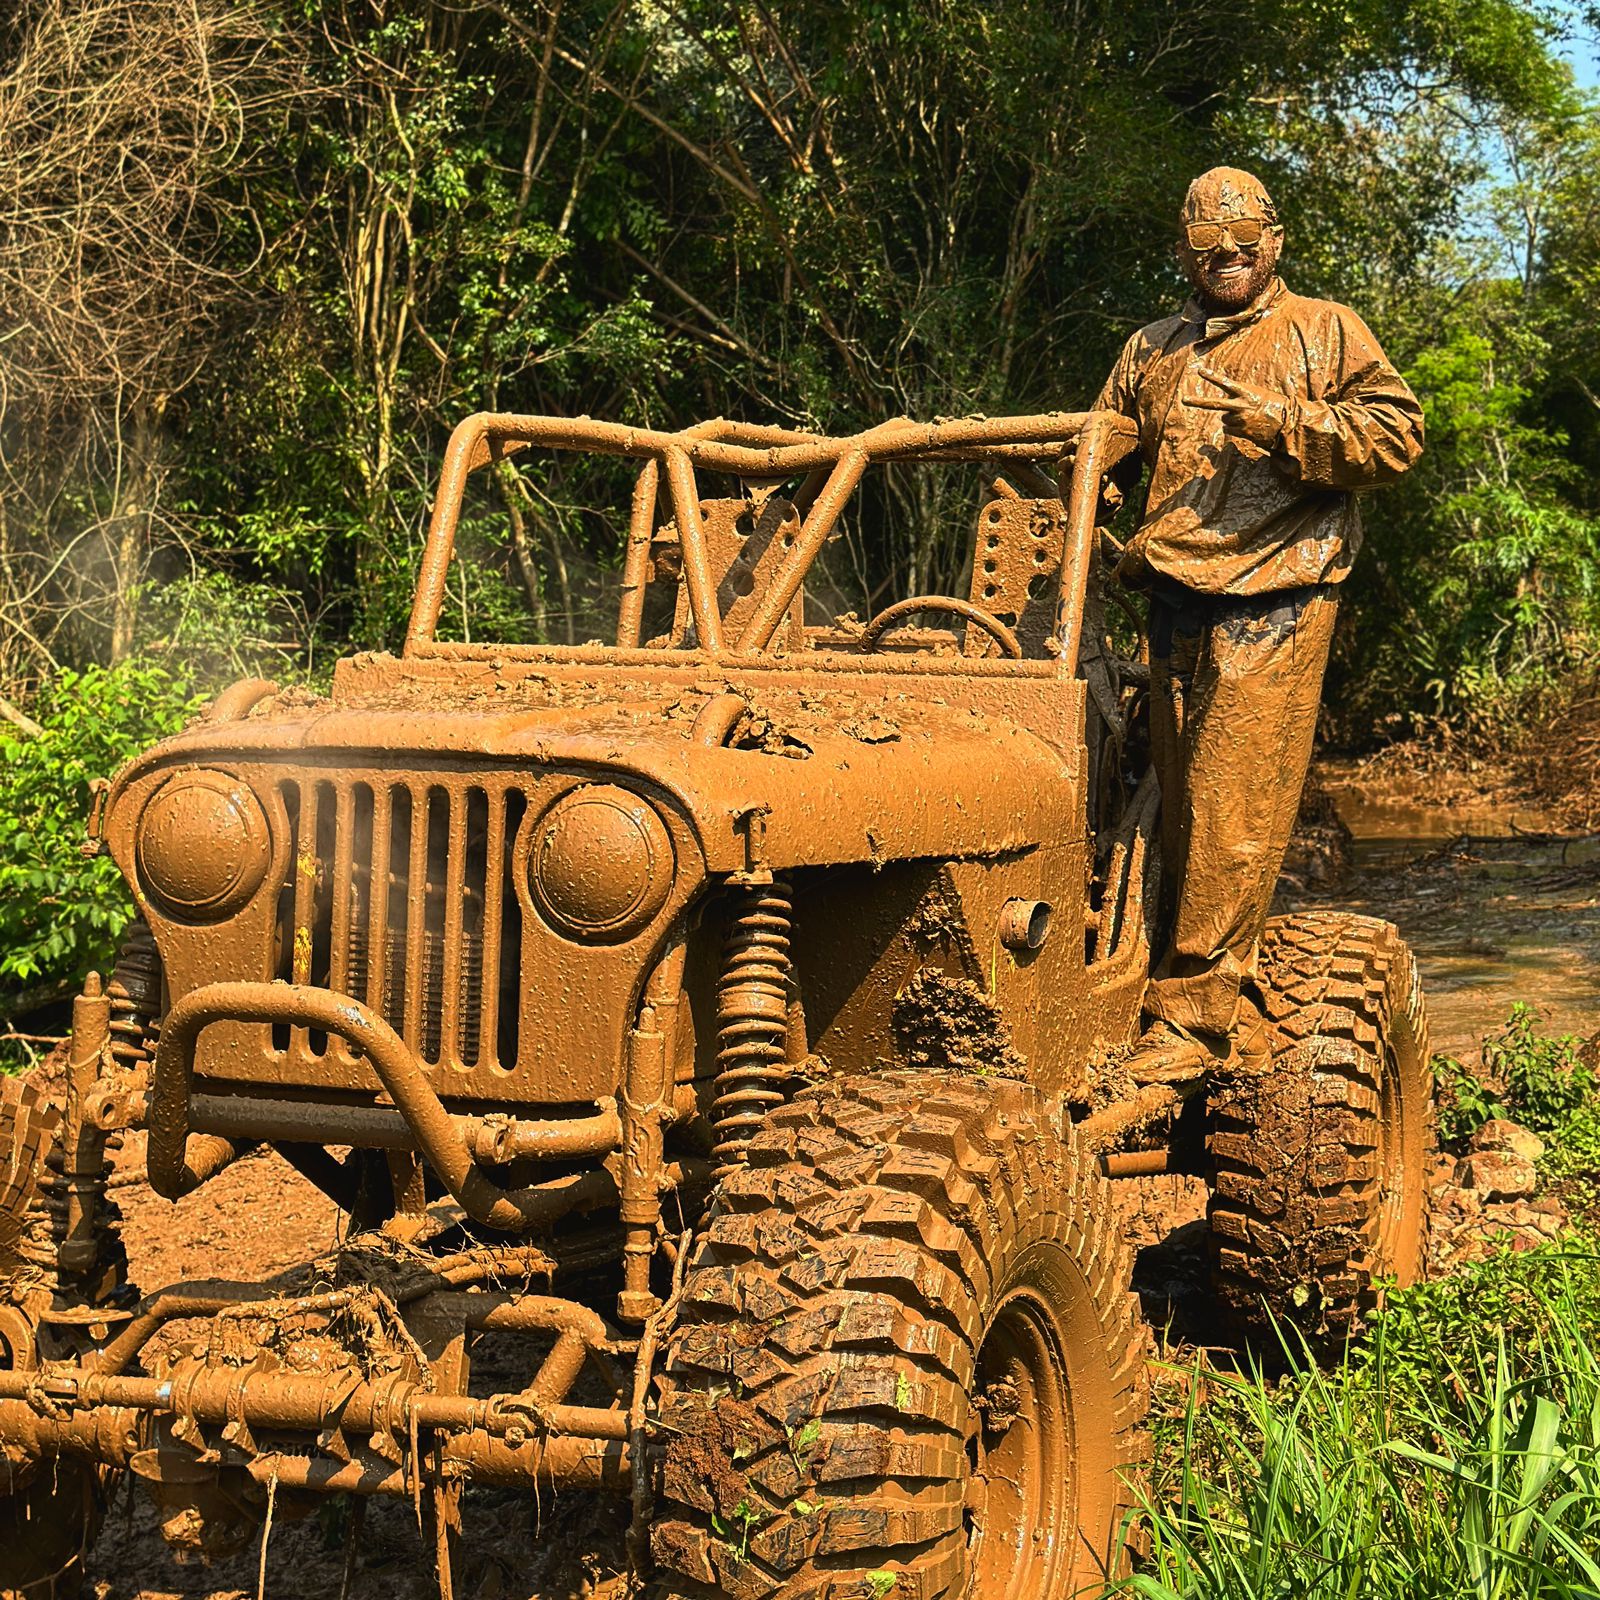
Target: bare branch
<point x="20" y="719"/>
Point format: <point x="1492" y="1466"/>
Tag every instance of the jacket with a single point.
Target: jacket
<point x="1223" y="516"/>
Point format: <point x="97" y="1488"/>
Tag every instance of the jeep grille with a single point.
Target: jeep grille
<point x="400" y="894"/>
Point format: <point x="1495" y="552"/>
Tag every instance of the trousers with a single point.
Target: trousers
<point x="1235" y="682"/>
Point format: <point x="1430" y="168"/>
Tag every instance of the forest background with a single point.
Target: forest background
<point x="257" y="256"/>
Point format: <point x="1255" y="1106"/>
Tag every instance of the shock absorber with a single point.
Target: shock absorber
<point x="113" y="1041"/>
<point x="752" y="1018"/>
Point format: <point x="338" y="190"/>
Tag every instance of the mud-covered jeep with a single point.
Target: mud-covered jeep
<point x="737" y="1012"/>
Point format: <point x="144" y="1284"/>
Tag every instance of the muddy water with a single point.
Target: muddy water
<point x="1496" y="909"/>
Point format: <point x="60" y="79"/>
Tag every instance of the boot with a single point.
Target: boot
<point x="1165" y="1051"/>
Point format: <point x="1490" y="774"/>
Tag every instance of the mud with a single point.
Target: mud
<point x="701" y="1466"/>
<point x="1498" y="907"/>
<point x="1225" y="390"/>
<point x="1559" y="763"/>
<point x="946" y="1022"/>
<point x="256" y="1221"/>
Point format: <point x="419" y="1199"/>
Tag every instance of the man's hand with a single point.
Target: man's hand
<point x="1247" y="413"/>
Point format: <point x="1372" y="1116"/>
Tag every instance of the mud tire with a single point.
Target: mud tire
<point x="50" y="1511"/>
<point x="1319" y="1169"/>
<point x="896" y="1252"/>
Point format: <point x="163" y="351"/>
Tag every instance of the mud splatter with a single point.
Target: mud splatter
<point x="709" y="1440"/>
<point x="871" y="730"/>
<point x="950" y="1023"/>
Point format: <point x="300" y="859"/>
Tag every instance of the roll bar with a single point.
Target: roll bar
<point x="1094" y="440"/>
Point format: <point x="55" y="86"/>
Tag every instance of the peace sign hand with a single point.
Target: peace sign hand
<point x="1247" y="413"/>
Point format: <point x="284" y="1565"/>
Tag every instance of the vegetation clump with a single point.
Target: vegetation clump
<point x="60" y="910"/>
<point x="1454" y="1452"/>
<point x="1546" y="1082"/>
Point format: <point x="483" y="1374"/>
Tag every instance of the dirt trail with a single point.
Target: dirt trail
<point x="1497" y="903"/>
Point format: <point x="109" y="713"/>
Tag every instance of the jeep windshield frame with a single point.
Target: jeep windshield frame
<point x="1084" y="446"/>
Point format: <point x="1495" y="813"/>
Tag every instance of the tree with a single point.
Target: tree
<point x="125" y="260"/>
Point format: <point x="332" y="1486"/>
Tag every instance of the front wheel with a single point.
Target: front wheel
<point x="49" y="1511"/>
<point x="906" y="1360"/>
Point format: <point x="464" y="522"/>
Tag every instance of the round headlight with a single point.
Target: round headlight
<point x="601" y="863"/>
<point x="203" y="845"/>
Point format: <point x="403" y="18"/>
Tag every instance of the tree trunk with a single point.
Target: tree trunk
<point x="131" y="519"/>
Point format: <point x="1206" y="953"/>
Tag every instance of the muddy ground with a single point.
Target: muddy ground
<point x="1497" y="909"/>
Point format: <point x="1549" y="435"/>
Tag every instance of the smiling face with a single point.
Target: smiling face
<point x="1229" y="271"/>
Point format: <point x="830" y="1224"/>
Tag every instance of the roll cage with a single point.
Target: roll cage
<point x="1083" y="446"/>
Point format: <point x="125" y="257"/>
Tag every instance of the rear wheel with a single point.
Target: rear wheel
<point x="906" y="1360"/>
<point x="1319" y="1167"/>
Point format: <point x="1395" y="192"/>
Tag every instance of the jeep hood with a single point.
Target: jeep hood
<point x="874" y="777"/>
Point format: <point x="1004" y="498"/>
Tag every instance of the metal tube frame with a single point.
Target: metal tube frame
<point x="438" y="1138"/>
<point x="93" y="1409"/>
<point x="748" y="451"/>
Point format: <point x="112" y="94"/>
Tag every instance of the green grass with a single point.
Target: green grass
<point x="1455" y="1452"/>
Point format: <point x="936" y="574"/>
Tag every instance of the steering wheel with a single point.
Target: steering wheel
<point x="1009" y="644"/>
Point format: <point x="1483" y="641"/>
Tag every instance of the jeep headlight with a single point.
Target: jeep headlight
<point x="203" y="846"/>
<point x="601" y="863"/>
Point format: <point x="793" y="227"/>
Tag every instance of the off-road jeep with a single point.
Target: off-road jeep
<point x="771" y="974"/>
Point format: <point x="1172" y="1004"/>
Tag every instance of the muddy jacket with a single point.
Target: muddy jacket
<point x="1225" y="517"/>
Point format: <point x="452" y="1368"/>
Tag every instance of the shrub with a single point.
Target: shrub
<point x="1466" y="1102"/>
<point x="61" y="913"/>
<point x="1538" y="1079"/>
<point x="1545" y="1080"/>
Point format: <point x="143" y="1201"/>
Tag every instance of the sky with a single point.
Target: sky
<point x="1583" y="51"/>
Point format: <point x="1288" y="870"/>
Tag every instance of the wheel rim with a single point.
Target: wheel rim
<point x="1391" y="1180"/>
<point x="1022" y="1505"/>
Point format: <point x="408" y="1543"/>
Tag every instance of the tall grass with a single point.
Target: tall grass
<point x="1455" y="1454"/>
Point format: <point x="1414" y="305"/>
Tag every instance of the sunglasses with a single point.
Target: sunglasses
<point x="1245" y="232"/>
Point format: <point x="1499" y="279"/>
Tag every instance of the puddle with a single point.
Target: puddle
<point x="1496" y="908"/>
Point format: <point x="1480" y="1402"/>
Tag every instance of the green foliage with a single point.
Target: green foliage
<point x="60" y="913"/>
<point x="1465" y="1101"/>
<point x="1481" y="589"/>
<point x="224" y="627"/>
<point x="1572" y="1158"/>
<point x="830" y="216"/>
<point x="1456" y="1452"/>
<point x="1535" y="1078"/>
<point x="1546" y="1081"/>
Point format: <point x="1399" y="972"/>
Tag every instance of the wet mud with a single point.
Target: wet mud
<point x="1499" y="903"/>
<point x="951" y="1023"/>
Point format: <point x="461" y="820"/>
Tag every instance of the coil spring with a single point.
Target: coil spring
<point x="135" y="996"/>
<point x="752" y="1019"/>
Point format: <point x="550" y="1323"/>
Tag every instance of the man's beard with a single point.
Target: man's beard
<point x="1236" y="291"/>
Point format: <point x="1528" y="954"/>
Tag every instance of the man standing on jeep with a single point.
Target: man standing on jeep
<point x="1260" y="415"/>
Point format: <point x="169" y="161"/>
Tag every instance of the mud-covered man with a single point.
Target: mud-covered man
<point x="1260" y="414"/>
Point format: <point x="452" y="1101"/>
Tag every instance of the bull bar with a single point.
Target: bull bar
<point x="439" y="1137"/>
